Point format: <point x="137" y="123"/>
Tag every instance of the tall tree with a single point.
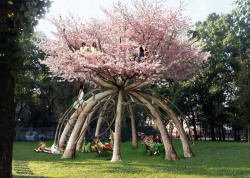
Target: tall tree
<point x="18" y="17"/>
<point x="117" y="67"/>
<point x="226" y="37"/>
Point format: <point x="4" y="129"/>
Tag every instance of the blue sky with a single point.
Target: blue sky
<point x="196" y="9"/>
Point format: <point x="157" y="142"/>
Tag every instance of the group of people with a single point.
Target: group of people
<point x="84" y="48"/>
<point x="152" y="144"/>
<point x="142" y="52"/>
<point x="97" y="145"/>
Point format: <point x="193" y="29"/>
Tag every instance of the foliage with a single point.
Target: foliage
<point x="36" y="91"/>
<point x="226" y="37"/>
<point x="213" y="159"/>
<point x="124" y="30"/>
<point x="21" y="18"/>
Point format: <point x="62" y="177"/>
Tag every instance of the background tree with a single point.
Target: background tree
<point x="17" y="19"/>
<point x="36" y="91"/>
<point x="226" y="37"/>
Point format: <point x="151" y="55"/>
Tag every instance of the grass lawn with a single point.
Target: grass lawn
<point x="212" y="159"/>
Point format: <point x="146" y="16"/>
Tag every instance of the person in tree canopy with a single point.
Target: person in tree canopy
<point x="80" y="99"/>
<point x="146" y="52"/>
<point x="84" y="48"/>
<point x="93" y="47"/>
<point x="140" y="54"/>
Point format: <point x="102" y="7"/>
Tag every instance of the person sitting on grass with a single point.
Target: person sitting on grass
<point x="157" y="144"/>
<point x="42" y="147"/>
<point x="99" y="146"/>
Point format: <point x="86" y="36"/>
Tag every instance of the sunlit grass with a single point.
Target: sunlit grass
<point x="212" y="159"/>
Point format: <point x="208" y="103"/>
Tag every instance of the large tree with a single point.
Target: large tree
<point x="116" y="67"/>
<point x="226" y="37"/>
<point x="36" y="91"/>
<point x="18" y="17"/>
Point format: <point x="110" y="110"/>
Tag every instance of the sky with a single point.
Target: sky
<point x="196" y="9"/>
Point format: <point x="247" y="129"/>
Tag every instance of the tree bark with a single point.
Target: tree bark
<point x="185" y="143"/>
<point x="84" y="128"/>
<point x="68" y="128"/>
<point x="137" y="85"/>
<point x="194" y="125"/>
<point x="170" y="153"/>
<point x="134" y="133"/>
<point x="71" y="146"/>
<point x="248" y="127"/>
<point x="66" y="131"/>
<point x="101" y="116"/>
<point x="7" y="115"/>
<point x="118" y="130"/>
<point x="223" y="133"/>
<point x="212" y="129"/>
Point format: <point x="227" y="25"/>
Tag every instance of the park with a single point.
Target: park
<point x="138" y="92"/>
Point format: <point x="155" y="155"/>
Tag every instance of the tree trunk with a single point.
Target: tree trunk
<point x="248" y="128"/>
<point x="194" y="125"/>
<point x="185" y="143"/>
<point x="66" y="131"/>
<point x="7" y="115"/>
<point x="71" y="146"/>
<point x="134" y="133"/>
<point x="68" y="128"/>
<point x="212" y="129"/>
<point x="118" y="130"/>
<point x="222" y="131"/>
<point x="101" y="116"/>
<point x="170" y="153"/>
<point x="84" y="128"/>
<point x="219" y="132"/>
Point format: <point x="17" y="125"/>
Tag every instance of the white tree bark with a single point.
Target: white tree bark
<point x="68" y="128"/>
<point x="66" y="131"/>
<point x="185" y="143"/>
<point x="84" y="128"/>
<point x="170" y="153"/>
<point x="101" y="82"/>
<point x="137" y="85"/>
<point x="101" y="116"/>
<point x="71" y="146"/>
<point x="134" y="133"/>
<point x="118" y="128"/>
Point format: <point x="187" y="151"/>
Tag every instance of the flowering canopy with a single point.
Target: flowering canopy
<point x="119" y="36"/>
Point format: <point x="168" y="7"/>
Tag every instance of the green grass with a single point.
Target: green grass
<point x="212" y="159"/>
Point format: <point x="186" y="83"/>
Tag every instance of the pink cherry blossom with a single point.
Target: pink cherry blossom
<point x="119" y="36"/>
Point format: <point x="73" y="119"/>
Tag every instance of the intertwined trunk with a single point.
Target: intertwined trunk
<point x="102" y="115"/>
<point x="170" y="153"/>
<point x="84" y="129"/>
<point x="67" y="131"/>
<point x="118" y="130"/>
<point x="129" y="91"/>
<point x="185" y="143"/>
<point x="91" y="103"/>
<point x="134" y="133"/>
<point x="6" y="120"/>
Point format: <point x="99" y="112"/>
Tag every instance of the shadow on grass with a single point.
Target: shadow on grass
<point x="18" y="176"/>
